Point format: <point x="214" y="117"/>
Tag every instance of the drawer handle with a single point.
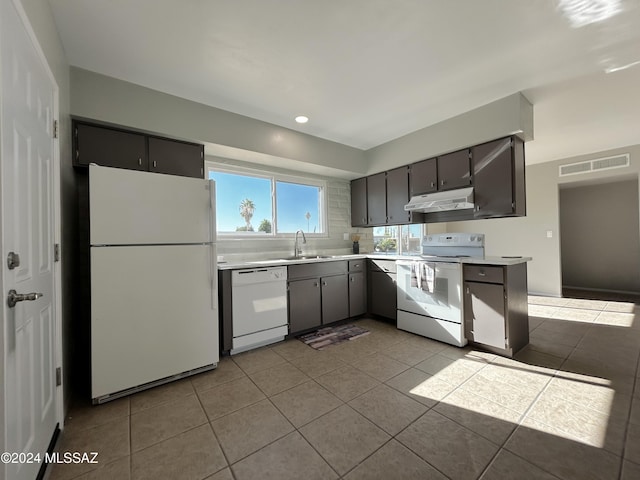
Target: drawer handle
<point x="482" y="274"/>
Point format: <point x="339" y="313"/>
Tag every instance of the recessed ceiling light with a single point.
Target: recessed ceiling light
<point x="302" y="119"/>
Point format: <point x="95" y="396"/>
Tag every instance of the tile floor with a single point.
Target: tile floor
<point x="389" y="405"/>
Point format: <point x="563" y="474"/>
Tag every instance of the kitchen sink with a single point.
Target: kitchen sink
<point x="306" y="257"/>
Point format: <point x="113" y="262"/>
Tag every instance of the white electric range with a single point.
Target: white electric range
<point x="430" y="288"/>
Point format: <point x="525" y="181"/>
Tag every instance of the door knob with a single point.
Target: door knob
<point x="13" y="260"/>
<point x="15" y="297"/>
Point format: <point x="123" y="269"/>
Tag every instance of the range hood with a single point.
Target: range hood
<point x="441" y="201"/>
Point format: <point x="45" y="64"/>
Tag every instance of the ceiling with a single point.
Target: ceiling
<point x="370" y="71"/>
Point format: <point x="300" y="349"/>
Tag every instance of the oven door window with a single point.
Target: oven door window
<point x="438" y="295"/>
<point x="443" y="300"/>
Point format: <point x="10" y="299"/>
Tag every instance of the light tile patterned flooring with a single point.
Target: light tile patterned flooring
<point x="390" y="405"/>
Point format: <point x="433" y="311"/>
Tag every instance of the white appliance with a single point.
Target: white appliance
<point x="259" y="307"/>
<point x="430" y="289"/>
<point x="153" y="279"/>
<point x="459" y="199"/>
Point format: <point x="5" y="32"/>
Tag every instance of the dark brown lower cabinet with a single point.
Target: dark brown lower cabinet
<point x="383" y="299"/>
<point x="335" y="298"/>
<point x="304" y="305"/>
<point x="357" y="294"/>
<point x="495" y="307"/>
<point x="318" y="294"/>
<point x="357" y="287"/>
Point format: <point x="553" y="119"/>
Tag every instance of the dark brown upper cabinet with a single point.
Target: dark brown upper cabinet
<point x="499" y="188"/>
<point x="359" y="202"/>
<point x="424" y="177"/>
<point x="114" y="147"/>
<point x="111" y="147"/>
<point x="176" y="158"/>
<point x="454" y="170"/>
<point x="380" y="199"/>
<point x="495" y="169"/>
<point x="377" y="199"/>
<point x="397" y="196"/>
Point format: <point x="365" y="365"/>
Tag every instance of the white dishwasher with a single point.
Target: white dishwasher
<point x="259" y="307"/>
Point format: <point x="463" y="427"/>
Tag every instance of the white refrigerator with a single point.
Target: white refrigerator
<point x="154" y="294"/>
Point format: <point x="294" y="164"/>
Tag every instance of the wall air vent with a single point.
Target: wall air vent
<point x="606" y="163"/>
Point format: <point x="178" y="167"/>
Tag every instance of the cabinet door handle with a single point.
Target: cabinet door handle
<point x="442" y="182"/>
<point x="139" y="160"/>
<point x="155" y="164"/>
<point x="324" y="284"/>
<point x="433" y="184"/>
<point x="315" y="284"/>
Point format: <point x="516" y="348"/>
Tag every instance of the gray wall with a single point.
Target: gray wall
<point x="242" y="139"/>
<point x="111" y="100"/>
<point x="42" y="22"/>
<point x="509" y="115"/>
<point x="600" y="245"/>
<point x="528" y="235"/>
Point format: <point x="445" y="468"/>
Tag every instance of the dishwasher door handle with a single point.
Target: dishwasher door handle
<point x="244" y="272"/>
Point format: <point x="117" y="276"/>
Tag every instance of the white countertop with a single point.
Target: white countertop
<point x="507" y="260"/>
<point x="282" y="261"/>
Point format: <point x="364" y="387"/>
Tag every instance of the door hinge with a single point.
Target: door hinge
<point x="58" y="376"/>
<point x="55" y="129"/>
<point x="56" y="252"/>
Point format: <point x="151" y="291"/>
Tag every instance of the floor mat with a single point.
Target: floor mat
<point x="328" y="336"/>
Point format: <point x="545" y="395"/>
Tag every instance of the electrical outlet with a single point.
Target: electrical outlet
<point x="346" y="236"/>
<point x="549" y="233"/>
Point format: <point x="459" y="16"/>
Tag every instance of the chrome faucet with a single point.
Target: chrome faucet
<point x="296" y="248"/>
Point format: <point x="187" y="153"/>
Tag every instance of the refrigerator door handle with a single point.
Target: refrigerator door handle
<point x="213" y="271"/>
<point x="212" y="211"/>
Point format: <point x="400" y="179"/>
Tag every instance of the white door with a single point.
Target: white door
<point x="26" y="163"/>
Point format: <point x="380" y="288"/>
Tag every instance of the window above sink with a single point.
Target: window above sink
<point x="257" y="204"/>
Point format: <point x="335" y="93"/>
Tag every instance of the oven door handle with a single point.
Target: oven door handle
<point x="408" y="263"/>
